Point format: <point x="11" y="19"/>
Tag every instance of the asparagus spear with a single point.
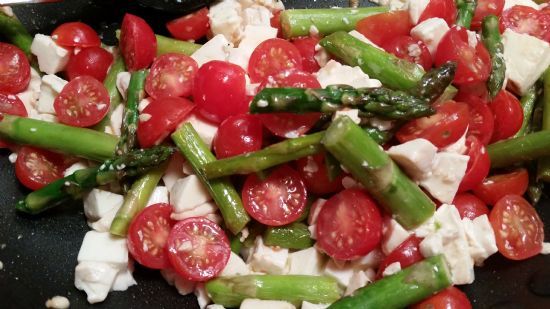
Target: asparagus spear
<point x="85" y="143"/>
<point x="466" y="9"/>
<point x="435" y="83"/>
<point x="73" y="186"/>
<point x="371" y="166"/>
<point x="292" y="236"/>
<point x="297" y="23"/>
<point x="128" y="137"/>
<point x="519" y="149"/>
<point x="528" y="102"/>
<point x="222" y="191"/>
<point x="167" y="45"/>
<point x="490" y="35"/>
<point x="543" y="171"/>
<point x="285" y="151"/>
<point x="12" y="29"/>
<point x="402" y="289"/>
<point x="231" y="291"/>
<point x="115" y="97"/>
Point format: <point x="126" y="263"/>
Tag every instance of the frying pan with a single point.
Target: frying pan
<point x="39" y="253"/>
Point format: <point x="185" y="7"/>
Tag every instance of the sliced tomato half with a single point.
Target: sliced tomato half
<point x="36" y="168"/>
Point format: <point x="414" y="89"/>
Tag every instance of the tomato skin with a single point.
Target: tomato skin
<point x="306" y="46"/>
<point x="10" y="104"/>
<point x="76" y="34"/>
<point x="313" y="170"/>
<point x="219" y="90"/>
<point x="290" y="79"/>
<point x="407" y="253"/>
<point x="15" y="70"/>
<point x="238" y="135"/>
<point x="190" y="27"/>
<point x="36" y="168"/>
<point x="138" y="43"/>
<point x="147" y="236"/>
<point x="519" y="232"/>
<point x="401" y="47"/>
<point x="384" y="27"/>
<point x="495" y="187"/>
<point x="470" y="206"/>
<point x="484" y="8"/>
<point x="450" y="298"/>
<point x="289" y="125"/>
<point x="482" y="121"/>
<point x="349" y="225"/>
<point x="166" y="114"/>
<point x="445" y="9"/>
<point x="275" y="22"/>
<point x="508" y="115"/>
<point x="271" y="57"/>
<point x="92" y="61"/>
<point x="478" y="165"/>
<point x="171" y="75"/>
<point x="527" y="20"/>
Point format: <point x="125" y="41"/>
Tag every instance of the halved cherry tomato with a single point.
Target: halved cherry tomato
<point x="470" y="206"/>
<point x="198" y="249"/>
<point x="15" y="70"/>
<point x="478" y="165"/>
<point x="92" y="61"/>
<point x="493" y="188"/>
<point x="289" y="125"/>
<point x="276" y="200"/>
<point x="83" y="102"/>
<point x="306" y="46"/>
<point x="484" y="8"/>
<point x="407" y="253"/>
<point x="147" y="236"/>
<point x="75" y="34"/>
<point x="508" y="115"/>
<point x="290" y="79"/>
<point x="442" y="129"/>
<point x="519" y="232"/>
<point x="219" y="90"/>
<point x="384" y="27"/>
<point x="238" y="135"/>
<point x="525" y="19"/>
<point x="412" y="50"/>
<point x="478" y="90"/>
<point x="275" y="22"/>
<point x="349" y="225"/>
<point x="10" y="104"/>
<point x="35" y="168"/>
<point x="445" y="9"/>
<point x="482" y="121"/>
<point x="315" y="175"/>
<point x="450" y="298"/>
<point x="160" y="118"/>
<point x="190" y="27"/>
<point x="138" y="43"/>
<point x="171" y="75"/>
<point x="271" y="57"/>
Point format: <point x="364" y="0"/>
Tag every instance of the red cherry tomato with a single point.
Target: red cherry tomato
<point x="525" y="19"/>
<point x="349" y="225"/>
<point x="289" y="125"/>
<point x="484" y="8"/>
<point x="493" y="188"/>
<point x="384" y="27"/>
<point x="445" y="9"/>
<point x="290" y="79"/>
<point x="190" y="27"/>
<point x="478" y="165"/>
<point x="508" y="115"/>
<point x="238" y="135"/>
<point x="171" y="75"/>
<point x="138" y="43"/>
<point x="519" y="232"/>
<point x="470" y="206"/>
<point x="443" y="128"/>
<point x="15" y="70"/>
<point x="276" y="23"/>
<point x="75" y="34"/>
<point x="306" y="46"/>
<point x="35" y="168"/>
<point x="147" y="236"/>
<point x="405" y="47"/>
<point x="198" y="249"/>
<point x="160" y="118"/>
<point x="271" y="57"/>
<point x="407" y="253"/>
<point x="315" y="175"/>
<point x="92" y="61"/>
<point x="450" y="298"/>
<point x="10" y="104"/>
<point x="276" y="200"/>
<point x="482" y="121"/>
<point x="219" y="90"/>
<point x="478" y="90"/>
<point x="83" y="102"/>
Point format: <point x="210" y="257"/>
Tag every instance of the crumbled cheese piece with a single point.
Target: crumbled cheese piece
<point x="12" y="157"/>
<point x="371" y="260"/>
<point x="430" y="31"/>
<point x="381" y="124"/>
<point x="358" y="35"/>
<point x="235" y="266"/>
<point x="481" y="238"/>
<point x="202" y="296"/>
<point x="459" y="146"/>
<point x="391" y="269"/>
<point x="359" y="280"/>
<point x="115" y="122"/>
<point x="206" y="130"/>
<point x="122" y="83"/>
<point x="393" y="234"/>
<point x="97" y="203"/>
<point x="415" y="156"/>
<point x="416" y="8"/>
<point x="334" y="73"/>
<point x="30" y="96"/>
<point x="188" y="193"/>
<point x="257" y="15"/>
<point x="58" y="302"/>
<point x="226" y="19"/>
<point x="174" y="171"/>
<point x="215" y="49"/>
<point x="351" y="113"/>
<point x="80" y="165"/>
<point x="183" y="286"/>
<point x="268" y="259"/>
<point x="49" y="89"/>
<point x="342" y="273"/>
<point x="306" y="262"/>
<point x="201" y="210"/>
<point x="51" y="57"/>
<point x="446" y="175"/>
<point x="545" y="248"/>
<point x="158" y="196"/>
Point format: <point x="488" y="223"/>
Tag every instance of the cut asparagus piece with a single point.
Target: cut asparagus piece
<point x="466" y="10"/>
<point x="128" y="135"/>
<point x="115" y="97"/>
<point x="371" y="166"/>
<point x="167" y="45"/>
<point x="520" y="149"/>
<point x="543" y="170"/>
<point x="528" y="102"/>
<point x="296" y="23"/>
<point x="12" y="29"/>
<point x="490" y="35"/>
<point x="222" y="191"/>
<point x="80" y="142"/>
<point x="231" y="291"/>
<point x="293" y="236"/>
<point x="402" y="289"/>
<point x="435" y="84"/>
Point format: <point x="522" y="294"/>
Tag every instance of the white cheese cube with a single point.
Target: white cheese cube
<point x="459" y="146"/>
<point x="272" y="5"/>
<point x="206" y="130"/>
<point x="257" y="15"/>
<point x="12" y="157"/>
<point x="226" y="19"/>
<point x="334" y="73"/>
<point x="30" y="96"/>
<point x="104" y="248"/>
<point x="316" y="209"/>
<point x="371" y="260"/>
<point x="359" y="280"/>
<point x="123" y="280"/>
<point x="391" y="269"/>
<point x="188" y="193"/>
<point x="416" y="8"/>
<point x="306" y="262"/>
<point x="447" y="172"/>
<point x="80" y="165"/>
<point x="201" y="210"/>
<point x="393" y="234"/>
<point x="322" y="57"/>
<point x="183" y="286"/>
<point x="431" y="31"/>
<point x="240" y="57"/>
<point x="174" y="171"/>
<point x="252" y="37"/>
<point x="95" y="278"/>
<point x="57" y="302"/>
<point x="415" y="156"/>
<point x="122" y="83"/>
<point x="545" y="248"/>
<point x="251" y="303"/>
<point x="351" y="113"/>
<point x="215" y="49"/>
<point x="202" y="296"/>
<point x="49" y="89"/>
<point x="358" y="35"/>
<point x="511" y="3"/>
<point x="342" y="273"/>
<point x="308" y="305"/>
<point x="116" y="119"/>
<point x="235" y="266"/>
<point x="268" y="259"/>
<point x="97" y="203"/>
<point x="104" y="224"/>
<point x="159" y="195"/>
<point x="381" y="124"/>
<point x="51" y="57"/>
<point x="481" y="238"/>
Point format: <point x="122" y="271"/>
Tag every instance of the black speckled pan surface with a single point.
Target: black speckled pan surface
<point x="39" y="253"/>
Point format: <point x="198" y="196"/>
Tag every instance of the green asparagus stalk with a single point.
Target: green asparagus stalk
<point x="128" y="135"/>
<point x="12" y="29"/>
<point x="520" y="149"/>
<point x="371" y="166"/>
<point x="466" y="10"/>
<point x="293" y="236"/>
<point x="85" y="143"/>
<point x="115" y="97"/>
<point x="75" y="185"/>
<point x="135" y="200"/>
<point x="167" y="45"/>
<point x="231" y="291"/>
<point x="528" y="102"/>
<point x="222" y="191"/>
<point x="543" y="171"/>
<point x="333" y="166"/>
<point x="435" y="83"/>
<point x="402" y="289"/>
<point x="285" y="151"/>
<point x="490" y="35"/>
<point x="296" y="23"/>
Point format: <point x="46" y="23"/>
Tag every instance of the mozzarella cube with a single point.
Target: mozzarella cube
<point x="188" y="193"/>
<point x="416" y="8"/>
<point x="80" y="165"/>
<point x="49" y="89"/>
<point x="235" y="266"/>
<point x="447" y="172"/>
<point x="268" y="259"/>
<point x="459" y="146"/>
<point x="240" y="57"/>
<point x="252" y="37"/>
<point x="99" y="202"/>
<point x="174" y="171"/>
<point x="104" y="248"/>
<point x="30" y="96"/>
<point x="57" y="302"/>
<point x="159" y="195"/>
<point x="322" y="57"/>
<point x="526" y="58"/>
<point x="431" y="31"/>
<point x="12" y="157"/>
<point x="226" y="20"/>
<point x="391" y="269"/>
<point x="371" y="260"/>
<point x="358" y="35"/>
<point x="251" y="303"/>
<point x="545" y="248"/>
<point x="381" y="124"/>
<point x="334" y="73"/>
<point x="393" y="234"/>
<point x="183" y="286"/>
<point x="272" y="5"/>
<point x="215" y="49"/>
<point x="116" y="119"/>
<point x="201" y="210"/>
<point x="306" y="262"/>
<point x="308" y="305"/>
<point x="511" y="3"/>
<point x="359" y="280"/>
<point x="481" y="238"/>
<point x="51" y="57"/>
<point x="415" y="156"/>
<point x="104" y="224"/>
<point x="122" y="83"/>
<point x="123" y="280"/>
<point x="315" y="209"/>
<point x="95" y="278"/>
<point x="257" y="15"/>
<point x="206" y="130"/>
<point x="353" y="114"/>
<point x="342" y="273"/>
<point x="202" y="296"/>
